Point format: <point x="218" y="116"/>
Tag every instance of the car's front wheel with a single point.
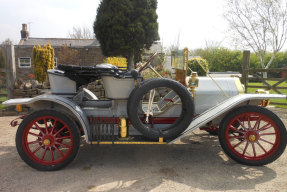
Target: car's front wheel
<point x="258" y="139"/>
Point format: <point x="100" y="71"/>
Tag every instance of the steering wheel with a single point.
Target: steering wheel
<point x="147" y="62"/>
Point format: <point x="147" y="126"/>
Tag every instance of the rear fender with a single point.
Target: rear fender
<point x="56" y="102"/>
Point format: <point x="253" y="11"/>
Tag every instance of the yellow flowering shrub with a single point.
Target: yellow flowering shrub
<point x="194" y="65"/>
<point x="43" y="59"/>
<point x="120" y="62"/>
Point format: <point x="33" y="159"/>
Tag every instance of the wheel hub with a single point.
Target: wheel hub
<point x="252" y="136"/>
<point x="48" y="140"/>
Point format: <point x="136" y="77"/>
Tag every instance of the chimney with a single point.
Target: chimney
<point x="24" y="32"/>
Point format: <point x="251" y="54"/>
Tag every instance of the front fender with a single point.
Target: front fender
<point x="64" y="102"/>
<point x="224" y="107"/>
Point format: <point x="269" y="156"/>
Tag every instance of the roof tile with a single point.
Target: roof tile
<point x="57" y="42"/>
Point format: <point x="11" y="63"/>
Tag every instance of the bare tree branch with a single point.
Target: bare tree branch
<point x="260" y="25"/>
<point x="81" y="33"/>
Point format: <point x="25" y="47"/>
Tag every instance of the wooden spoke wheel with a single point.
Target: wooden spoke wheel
<point x="259" y="138"/>
<point x="47" y="140"/>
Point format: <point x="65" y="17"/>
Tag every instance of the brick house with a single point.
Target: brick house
<point x="89" y="51"/>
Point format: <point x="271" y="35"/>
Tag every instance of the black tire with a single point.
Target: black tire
<point x="248" y="143"/>
<point x="174" y="129"/>
<point x="138" y="87"/>
<point x="54" y="144"/>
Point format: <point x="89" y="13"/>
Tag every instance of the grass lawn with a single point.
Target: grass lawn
<point x="3" y="99"/>
<point x="2" y="106"/>
<point x="3" y="91"/>
<point x="284" y="91"/>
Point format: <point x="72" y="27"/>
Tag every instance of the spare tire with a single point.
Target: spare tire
<point x="171" y="111"/>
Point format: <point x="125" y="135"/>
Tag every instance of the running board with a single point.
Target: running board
<point x="223" y="107"/>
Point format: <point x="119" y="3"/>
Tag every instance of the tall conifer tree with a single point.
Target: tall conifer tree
<point x="125" y="27"/>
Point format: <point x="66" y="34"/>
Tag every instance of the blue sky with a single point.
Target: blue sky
<point x="195" y="21"/>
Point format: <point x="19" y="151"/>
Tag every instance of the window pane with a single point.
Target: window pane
<point x="24" y="62"/>
<point x="55" y="61"/>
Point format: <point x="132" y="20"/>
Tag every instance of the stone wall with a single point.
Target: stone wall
<point x="31" y="88"/>
<point x="27" y="93"/>
<point x="97" y="88"/>
<point x="28" y="88"/>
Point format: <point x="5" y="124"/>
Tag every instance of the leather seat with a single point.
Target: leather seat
<point x="99" y="67"/>
<point x="85" y="74"/>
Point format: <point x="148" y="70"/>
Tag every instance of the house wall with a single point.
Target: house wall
<point x="88" y="56"/>
<point x="23" y="73"/>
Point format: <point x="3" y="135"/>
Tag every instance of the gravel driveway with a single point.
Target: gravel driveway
<point x="196" y="164"/>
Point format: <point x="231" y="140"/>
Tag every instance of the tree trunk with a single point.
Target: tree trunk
<point x="264" y="74"/>
<point x="270" y="61"/>
<point x="268" y="65"/>
<point x="131" y="61"/>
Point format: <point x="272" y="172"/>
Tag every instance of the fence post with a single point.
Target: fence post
<point x="245" y="68"/>
<point x="10" y="69"/>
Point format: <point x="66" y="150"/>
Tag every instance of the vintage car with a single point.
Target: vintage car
<point x="139" y="111"/>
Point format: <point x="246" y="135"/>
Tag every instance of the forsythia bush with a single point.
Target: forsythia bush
<point x="43" y="59"/>
<point x="117" y="61"/>
<point x="193" y="64"/>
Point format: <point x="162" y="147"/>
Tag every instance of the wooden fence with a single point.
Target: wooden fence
<point x="256" y="75"/>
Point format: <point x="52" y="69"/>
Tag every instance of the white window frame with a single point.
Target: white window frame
<point x="55" y="62"/>
<point x="19" y="62"/>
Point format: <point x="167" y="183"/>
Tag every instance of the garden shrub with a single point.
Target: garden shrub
<point x="43" y="59"/>
<point x="194" y="65"/>
<point x="120" y="62"/>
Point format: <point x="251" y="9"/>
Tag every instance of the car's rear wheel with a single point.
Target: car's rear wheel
<point x="47" y="140"/>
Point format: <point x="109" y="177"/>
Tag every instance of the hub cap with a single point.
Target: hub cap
<point x="252" y="138"/>
<point x="47" y="142"/>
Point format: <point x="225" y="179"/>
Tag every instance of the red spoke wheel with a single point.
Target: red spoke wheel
<point x="47" y="140"/>
<point x="258" y="139"/>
